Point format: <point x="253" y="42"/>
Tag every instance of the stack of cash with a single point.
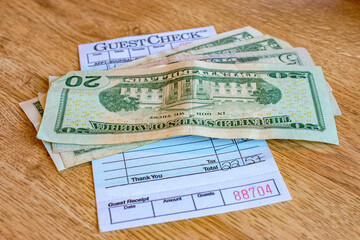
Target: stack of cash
<point x="237" y="84"/>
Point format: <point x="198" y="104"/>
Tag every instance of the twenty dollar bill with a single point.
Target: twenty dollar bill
<point x="189" y="98"/>
<point x="64" y="160"/>
<point x="288" y="56"/>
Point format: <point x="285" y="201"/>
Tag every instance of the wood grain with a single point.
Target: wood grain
<point x="39" y="38"/>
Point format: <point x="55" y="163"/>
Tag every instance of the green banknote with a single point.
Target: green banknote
<point x="261" y="43"/>
<point x="74" y="149"/>
<point x="33" y="110"/>
<point x="189" y="98"/>
<point x="75" y="154"/>
<point x="73" y="158"/>
<point x="77" y="150"/>
<point x="237" y="35"/>
<point x="288" y="56"/>
<point x="64" y="160"/>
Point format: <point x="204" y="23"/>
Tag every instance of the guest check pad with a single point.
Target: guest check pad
<point x="185" y="177"/>
<point x="111" y="53"/>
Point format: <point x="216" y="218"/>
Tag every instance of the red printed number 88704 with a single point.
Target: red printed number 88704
<point x="252" y="192"/>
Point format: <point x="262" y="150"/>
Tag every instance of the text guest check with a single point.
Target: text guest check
<point x="111" y="53"/>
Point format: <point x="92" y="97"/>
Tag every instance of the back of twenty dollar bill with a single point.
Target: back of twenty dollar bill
<point x="189" y="98"/>
<point x="288" y="56"/>
<point x="34" y="111"/>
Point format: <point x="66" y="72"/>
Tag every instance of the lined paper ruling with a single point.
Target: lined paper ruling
<point x="185" y="177"/>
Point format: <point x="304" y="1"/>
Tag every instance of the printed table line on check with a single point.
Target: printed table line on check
<point x="210" y="156"/>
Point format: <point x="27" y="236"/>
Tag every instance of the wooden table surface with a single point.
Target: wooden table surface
<point x="39" y="38"/>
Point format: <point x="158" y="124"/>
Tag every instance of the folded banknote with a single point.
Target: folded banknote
<point x="195" y="98"/>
